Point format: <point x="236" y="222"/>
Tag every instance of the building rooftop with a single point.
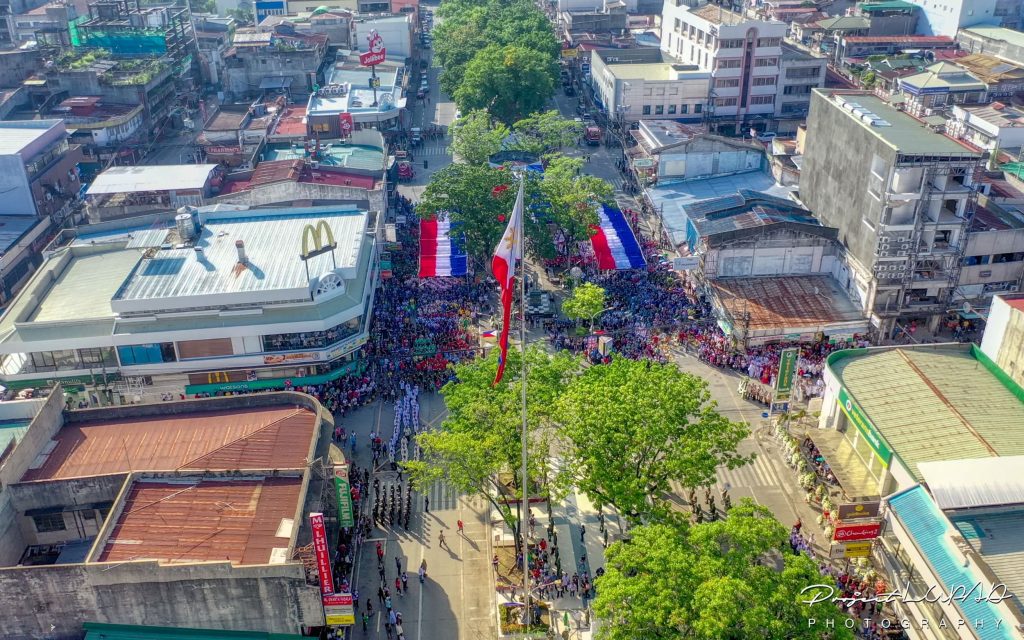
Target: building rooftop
<point x="733" y="214"/>
<point x="931" y="531"/>
<point x="943" y="75"/>
<point x="716" y="14"/>
<point x="845" y="23"/>
<point x="244" y="521"/>
<point x="103" y="631"/>
<point x="11" y="432"/>
<point x="910" y="41"/>
<point x="996" y="537"/>
<point x="332" y="154"/>
<point x="900" y="131"/>
<point x="264" y="438"/>
<point x="996" y="113"/>
<point x="658" y="134"/>
<point x="799" y="304"/>
<point x="227" y="119"/>
<point x="930" y="404"/>
<point x="161" y="177"/>
<point x="12" y="228"/>
<point x="16" y="135"/>
<point x="888" y="5"/>
<point x="1015" y="38"/>
<point x="99" y="273"/>
<point x="292" y="122"/>
<point x="657" y="71"/>
<point x="672" y="198"/>
<point x="989" y="68"/>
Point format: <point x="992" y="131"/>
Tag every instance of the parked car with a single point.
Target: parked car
<point x="569" y="91"/>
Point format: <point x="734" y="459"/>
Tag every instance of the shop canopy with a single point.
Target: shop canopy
<point x="975" y="482"/>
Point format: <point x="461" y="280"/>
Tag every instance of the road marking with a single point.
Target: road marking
<point x="419" y="611"/>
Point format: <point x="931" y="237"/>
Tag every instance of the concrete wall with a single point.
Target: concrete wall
<point x="944" y="19"/>
<point x="835" y="175"/>
<point x="270" y="598"/>
<point x="1000" y="48"/>
<point x="289" y="192"/>
<point x="14" y="185"/>
<point x="65" y="493"/>
<point x="1006" y="345"/>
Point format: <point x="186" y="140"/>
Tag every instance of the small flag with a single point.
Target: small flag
<point x="503" y="265"/>
<point x="488" y="335"/>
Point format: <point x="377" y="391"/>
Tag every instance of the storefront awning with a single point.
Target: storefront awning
<point x="846" y="465"/>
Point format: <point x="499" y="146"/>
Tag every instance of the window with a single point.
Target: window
<point x="798" y="90"/>
<point x="731" y="63"/>
<point x="725" y="102"/>
<point x="971" y="261"/>
<point x="727" y="83"/>
<point x="795" y="107"/>
<point x="671" y="109"/>
<point x="762" y="99"/>
<point x="696" y="108"/>
<point x="764" y="81"/>
<point x="97" y="357"/>
<point x="730" y="44"/>
<point x="804" y="72"/>
<point x="1007" y="257"/>
<point x="769" y="42"/>
<point x="766" y="62"/>
<point x="684" y="108"/>
<point x="49" y="522"/>
<point x="673" y="90"/>
<point x="659" y="110"/>
<point x="678" y="23"/>
<point x="89" y="514"/>
<point x="147" y="353"/>
<point x="647" y="110"/>
<point x="311" y="339"/>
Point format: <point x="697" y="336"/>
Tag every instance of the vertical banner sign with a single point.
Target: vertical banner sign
<point x="345" y="122"/>
<point x="339" y="610"/>
<point x="323" y="555"/>
<point x="787" y="369"/>
<point x="341" y="485"/>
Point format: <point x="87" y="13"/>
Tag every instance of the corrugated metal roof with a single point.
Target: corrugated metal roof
<point x="272" y="246"/>
<point x="930" y="530"/>
<point x="997" y="538"/>
<point x="917" y="397"/>
<point x="161" y="177"/>
<point x="146" y="238"/>
<point x="975" y="482"/>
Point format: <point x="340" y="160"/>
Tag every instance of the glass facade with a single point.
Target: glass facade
<point x="153" y="353"/>
<point x="311" y="339"/>
<point x="63" y="360"/>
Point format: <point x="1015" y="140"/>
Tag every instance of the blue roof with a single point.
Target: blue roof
<point x="930" y="530"/>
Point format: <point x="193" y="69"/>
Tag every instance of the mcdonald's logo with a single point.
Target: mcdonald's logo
<point x="217" y="376"/>
<point x="315" y="236"/>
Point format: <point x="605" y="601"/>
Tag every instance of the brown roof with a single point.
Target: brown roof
<point x="209" y="520"/>
<point x="266" y="438"/>
<point x="781" y="302"/>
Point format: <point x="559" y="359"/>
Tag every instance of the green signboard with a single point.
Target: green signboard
<point x="276" y="383"/>
<point x="867" y="430"/>
<point x="787" y="369"/>
<point x="345" y="517"/>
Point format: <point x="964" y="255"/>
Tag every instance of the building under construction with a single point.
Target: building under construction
<point x="126" y="28"/>
<point x="901" y="195"/>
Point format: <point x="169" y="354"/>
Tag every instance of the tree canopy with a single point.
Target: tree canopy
<point x="544" y="132"/>
<point x="585" y="302"/>
<point x="632" y="426"/>
<point x="479" y="442"/>
<point x="510" y="81"/>
<point x="482" y="199"/>
<point x="476" y="137"/>
<point x="732" y="579"/>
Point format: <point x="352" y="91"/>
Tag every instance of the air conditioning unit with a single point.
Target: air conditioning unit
<point x="901" y="254"/>
<point x="905" y="246"/>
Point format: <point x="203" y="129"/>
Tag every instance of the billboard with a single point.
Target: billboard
<point x="345" y="122"/>
<point x="857" y="531"/>
<point x="322" y="553"/>
<point x="376" y="53"/>
<point x="339" y="610"/>
<point x="855" y="510"/>
<point x="787" y="369"/>
<point x="850" y="550"/>
<point x="341" y="485"/>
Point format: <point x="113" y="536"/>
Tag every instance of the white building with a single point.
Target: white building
<point x="644" y="84"/>
<point x="744" y="57"/>
<point x="197" y="303"/>
<point x="947" y="17"/>
<point x="395" y="30"/>
<point x="988" y="126"/>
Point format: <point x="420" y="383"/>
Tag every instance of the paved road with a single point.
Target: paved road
<point x="456" y="600"/>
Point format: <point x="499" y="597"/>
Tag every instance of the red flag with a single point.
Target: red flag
<point x="503" y="265"/>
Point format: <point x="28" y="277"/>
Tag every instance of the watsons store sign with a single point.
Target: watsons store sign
<point x="864" y="426"/>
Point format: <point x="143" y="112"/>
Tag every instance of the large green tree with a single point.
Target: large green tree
<point x="476" y="137"/>
<point x="544" y="132"/>
<point x="481" y="198"/>
<point x="632" y="426"/>
<point x="511" y="81"/>
<point x="478" y="447"/>
<point x="732" y="579"/>
<point x="585" y="302"/>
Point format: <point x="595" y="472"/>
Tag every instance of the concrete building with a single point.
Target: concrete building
<point x="128" y="191"/>
<point x="670" y="151"/>
<point x="864" y="46"/>
<point x="101" y="128"/>
<point x="9" y="9"/>
<point x="347" y="90"/>
<point x="643" y="7"/>
<point x="940" y="85"/>
<point x="1003" y="341"/>
<point x="645" y="84"/>
<point x="53" y="16"/>
<point x="37" y="167"/>
<point x="988" y="126"/>
<point x="927" y="448"/>
<point x="993" y="261"/>
<point x="213" y="38"/>
<point x="949" y="17"/>
<point x="901" y="196"/>
<point x="579" y="22"/>
<point x="122" y="514"/>
<point x="743" y="56"/>
<point x="1002" y="78"/>
<point x="336" y="24"/>
<point x="231" y="299"/>
<point x="130" y="29"/>
<point x="799" y="74"/>
<point x="1000" y="42"/>
<point x="282" y="59"/>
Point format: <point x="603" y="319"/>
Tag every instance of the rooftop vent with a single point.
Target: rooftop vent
<point x="240" y="247"/>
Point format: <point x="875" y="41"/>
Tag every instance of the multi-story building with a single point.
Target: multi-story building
<point x="281" y="59"/>
<point x="213" y="38"/>
<point x="1003" y="341"/>
<point x="646" y="84"/>
<point x="799" y="74"/>
<point x="9" y="9"/>
<point x="347" y="90"/>
<point x="198" y="302"/>
<point x="948" y="17"/>
<point x="50" y="17"/>
<point x="940" y="85"/>
<point x="995" y="41"/>
<point x="901" y="196"/>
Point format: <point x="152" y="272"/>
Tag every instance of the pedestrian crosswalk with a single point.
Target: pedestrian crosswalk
<point x="757" y="473"/>
<point x="431" y="148"/>
<point x="443" y="496"/>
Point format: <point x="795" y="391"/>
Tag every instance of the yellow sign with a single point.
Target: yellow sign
<point x="850" y="550"/>
<point x="316" y="235"/>
<point x="340" y="620"/>
<point x="570" y="53"/>
<point x="217" y="376"/>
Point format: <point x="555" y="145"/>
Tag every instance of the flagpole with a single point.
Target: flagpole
<point x="525" y="518"/>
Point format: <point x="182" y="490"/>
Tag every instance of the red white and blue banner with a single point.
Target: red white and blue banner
<point x="442" y="249"/>
<point x="614" y="243"/>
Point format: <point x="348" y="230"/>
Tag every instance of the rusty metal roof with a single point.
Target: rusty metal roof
<point x="205" y="520"/>
<point x="810" y="302"/>
<point x="265" y="438"/>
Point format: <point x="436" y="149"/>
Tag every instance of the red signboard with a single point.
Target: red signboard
<point x="859" y="531"/>
<point x="346" y="123"/>
<point x="323" y="555"/>
<point x="376" y="53"/>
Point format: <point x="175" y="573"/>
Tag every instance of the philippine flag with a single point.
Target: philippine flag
<point x="614" y="243"/>
<point x="442" y="249"/>
<point x="503" y="265"/>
